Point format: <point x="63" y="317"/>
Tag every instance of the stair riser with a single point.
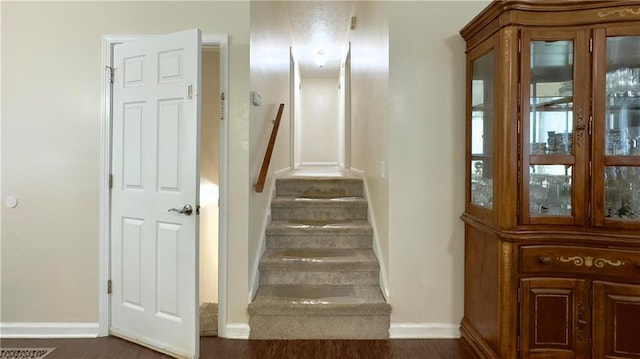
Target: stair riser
<point x="318" y="278"/>
<point x="319" y="242"/>
<point x="319" y="189"/>
<point x="319" y="213"/>
<point x="319" y="327"/>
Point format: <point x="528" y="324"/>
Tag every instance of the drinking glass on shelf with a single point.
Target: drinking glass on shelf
<point x="538" y="193"/>
<point x="634" y="138"/>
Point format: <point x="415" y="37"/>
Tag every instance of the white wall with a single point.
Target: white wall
<point x="319" y="122"/>
<point x="51" y="121"/>
<point x="209" y="179"/>
<point x="426" y="160"/>
<point x="270" y="43"/>
<point x="407" y="111"/>
<point x="369" y="107"/>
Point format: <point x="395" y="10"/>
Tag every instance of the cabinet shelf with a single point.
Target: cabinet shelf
<point x="566" y="160"/>
<point x="554" y="103"/>
<point x="622" y="160"/>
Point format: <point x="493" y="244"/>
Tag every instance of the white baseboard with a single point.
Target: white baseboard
<point x="237" y="331"/>
<point x="424" y="331"/>
<point x="254" y="280"/>
<point x="384" y="281"/>
<point x="49" y="330"/>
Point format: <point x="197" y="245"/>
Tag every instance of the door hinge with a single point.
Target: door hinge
<point x="111" y="71"/>
<point x="222" y="105"/>
<point x="590" y="124"/>
<point x="109" y="286"/>
<point x="591" y="45"/>
<point x="110" y="181"/>
<point x="518" y="343"/>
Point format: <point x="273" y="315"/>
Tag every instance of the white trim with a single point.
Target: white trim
<point x="424" y="331"/>
<point x="104" y="270"/>
<point x="336" y="164"/>
<point x="223" y="171"/>
<point x="254" y="281"/>
<point x="49" y="330"/>
<point x="237" y="331"/>
<point x="377" y="248"/>
<point x="347" y="109"/>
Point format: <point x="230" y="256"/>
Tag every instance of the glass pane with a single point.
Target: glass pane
<point x="551" y="116"/>
<point x="623" y="96"/>
<point x="482" y="131"/>
<point x="622" y="192"/>
<point x="550" y="191"/>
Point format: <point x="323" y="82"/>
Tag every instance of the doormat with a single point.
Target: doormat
<point x="25" y="353"/>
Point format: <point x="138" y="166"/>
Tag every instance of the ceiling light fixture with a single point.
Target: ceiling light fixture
<point x="320" y="60"/>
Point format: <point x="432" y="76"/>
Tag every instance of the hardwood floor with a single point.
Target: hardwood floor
<point x="213" y="347"/>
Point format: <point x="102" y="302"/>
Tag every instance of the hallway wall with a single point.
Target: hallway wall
<point x="369" y="119"/>
<point x="270" y="43"/>
<point x="319" y="123"/>
<point x="426" y="163"/>
<point x="408" y="68"/>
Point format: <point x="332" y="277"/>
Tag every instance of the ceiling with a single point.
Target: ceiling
<point x="320" y="26"/>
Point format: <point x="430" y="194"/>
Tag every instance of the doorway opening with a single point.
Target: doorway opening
<point x="209" y="190"/>
<point x="321" y="116"/>
<point x="213" y="184"/>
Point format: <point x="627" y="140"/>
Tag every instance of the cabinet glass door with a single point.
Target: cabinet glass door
<point x="549" y="134"/>
<point x="482" y="131"/>
<point x="622" y="129"/>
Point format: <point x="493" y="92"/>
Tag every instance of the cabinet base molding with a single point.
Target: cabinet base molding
<point x="474" y="342"/>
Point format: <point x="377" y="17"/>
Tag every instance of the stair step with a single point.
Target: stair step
<point x="319" y="187"/>
<point x="319" y="234"/>
<point x="322" y="209"/>
<point x="319" y="267"/>
<point x="331" y="327"/>
<point x="319" y="312"/>
<point x="323" y="260"/>
<point x="319" y="300"/>
<point x="319" y="277"/>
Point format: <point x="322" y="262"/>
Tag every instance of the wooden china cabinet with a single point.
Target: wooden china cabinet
<point x="552" y="216"/>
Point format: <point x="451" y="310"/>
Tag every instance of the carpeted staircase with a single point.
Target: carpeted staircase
<point x="319" y="276"/>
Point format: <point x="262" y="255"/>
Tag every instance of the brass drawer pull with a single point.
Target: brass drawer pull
<point x="545" y="260"/>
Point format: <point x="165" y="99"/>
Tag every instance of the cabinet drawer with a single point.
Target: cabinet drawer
<point x="582" y="260"/>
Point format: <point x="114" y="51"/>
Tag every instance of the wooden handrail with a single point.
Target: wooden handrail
<point x="262" y="177"/>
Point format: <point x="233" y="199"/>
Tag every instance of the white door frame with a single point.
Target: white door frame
<point x="344" y="121"/>
<point x="104" y="307"/>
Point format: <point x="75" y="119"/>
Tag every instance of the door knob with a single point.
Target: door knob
<point x="187" y="209"/>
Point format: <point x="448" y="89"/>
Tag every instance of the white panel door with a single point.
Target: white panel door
<point x="154" y="247"/>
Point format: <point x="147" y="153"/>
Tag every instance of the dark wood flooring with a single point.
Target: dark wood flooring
<point x="213" y="347"/>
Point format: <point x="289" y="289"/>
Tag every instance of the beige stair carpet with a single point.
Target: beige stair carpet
<point x="319" y="277"/>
